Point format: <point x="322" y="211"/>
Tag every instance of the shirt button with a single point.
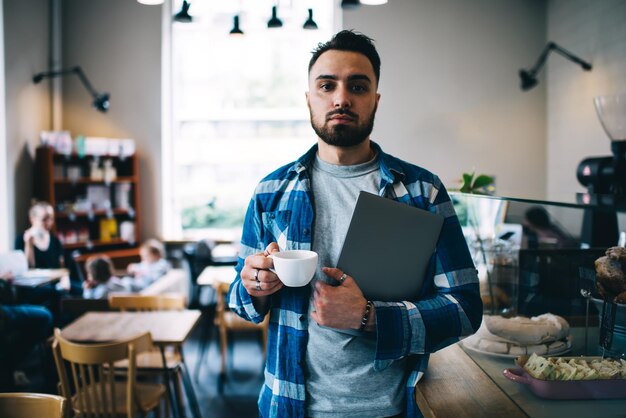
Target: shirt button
<point x="306" y="231"/>
<point x="301" y="318"/>
<point x="272" y="216"/>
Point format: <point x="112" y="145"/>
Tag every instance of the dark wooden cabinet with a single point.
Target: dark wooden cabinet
<point x="95" y="199"/>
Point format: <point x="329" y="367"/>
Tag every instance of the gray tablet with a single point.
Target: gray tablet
<point x="388" y="247"/>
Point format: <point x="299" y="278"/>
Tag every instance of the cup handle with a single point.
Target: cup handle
<point x="272" y="257"/>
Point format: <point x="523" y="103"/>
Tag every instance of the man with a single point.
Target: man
<point x="330" y="352"/>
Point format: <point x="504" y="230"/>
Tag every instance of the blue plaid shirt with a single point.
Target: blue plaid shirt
<point x="448" y="309"/>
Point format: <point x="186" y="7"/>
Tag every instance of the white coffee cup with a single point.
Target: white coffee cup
<point x="295" y="268"/>
<point x="38" y="233"/>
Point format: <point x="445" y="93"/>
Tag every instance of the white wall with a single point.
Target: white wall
<point x="26" y="35"/>
<point x="118" y="45"/>
<point x="595" y="31"/>
<point x="450" y="96"/>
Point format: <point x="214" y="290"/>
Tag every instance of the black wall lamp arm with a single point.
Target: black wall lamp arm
<point x="100" y="100"/>
<point x="529" y="77"/>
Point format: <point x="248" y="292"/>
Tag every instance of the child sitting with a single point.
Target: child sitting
<point x="153" y="265"/>
<point x="100" y="278"/>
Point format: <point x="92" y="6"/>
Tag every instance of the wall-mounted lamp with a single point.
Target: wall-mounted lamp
<point x="100" y="100"/>
<point x="274" y="21"/>
<point x="310" y="23"/>
<point x="529" y="77"/>
<point x="183" y="16"/>
<point x="235" y="30"/>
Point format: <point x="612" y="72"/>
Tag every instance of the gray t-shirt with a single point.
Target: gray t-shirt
<point x="340" y="376"/>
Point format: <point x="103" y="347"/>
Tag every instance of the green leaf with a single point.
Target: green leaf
<point x="482" y="181"/>
<point x="467" y="179"/>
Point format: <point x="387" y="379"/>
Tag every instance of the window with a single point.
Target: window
<point x="238" y="107"/>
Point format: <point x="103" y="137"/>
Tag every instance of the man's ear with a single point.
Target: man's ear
<point x="308" y="103"/>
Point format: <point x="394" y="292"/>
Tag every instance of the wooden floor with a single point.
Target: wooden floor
<point x="241" y="388"/>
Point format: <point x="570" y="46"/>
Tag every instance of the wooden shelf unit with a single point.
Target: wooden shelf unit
<point x="64" y="179"/>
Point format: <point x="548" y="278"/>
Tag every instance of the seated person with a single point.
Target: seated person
<point x="100" y="279"/>
<point x="43" y="250"/>
<point x="21" y="327"/>
<point x="153" y="265"/>
<point x="542" y="232"/>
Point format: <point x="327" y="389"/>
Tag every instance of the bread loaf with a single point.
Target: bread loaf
<point x="486" y="341"/>
<point x="528" y="331"/>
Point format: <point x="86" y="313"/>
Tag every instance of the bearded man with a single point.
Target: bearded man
<point x="330" y="351"/>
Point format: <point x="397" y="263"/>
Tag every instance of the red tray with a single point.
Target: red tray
<point x="559" y="389"/>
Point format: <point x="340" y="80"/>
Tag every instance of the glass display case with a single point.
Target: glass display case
<point x="529" y="252"/>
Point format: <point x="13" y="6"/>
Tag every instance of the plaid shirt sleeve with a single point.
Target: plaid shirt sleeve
<point x="450" y="307"/>
<point x="251" y="243"/>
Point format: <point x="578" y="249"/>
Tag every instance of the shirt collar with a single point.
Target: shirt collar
<point x="391" y="170"/>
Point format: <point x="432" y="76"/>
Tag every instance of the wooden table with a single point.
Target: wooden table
<point x="454" y="386"/>
<point x="40" y="277"/>
<point x="216" y="275"/>
<point x="166" y="327"/>
<point x="461" y="383"/>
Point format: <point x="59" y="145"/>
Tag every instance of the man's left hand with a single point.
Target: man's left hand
<point x="339" y="306"/>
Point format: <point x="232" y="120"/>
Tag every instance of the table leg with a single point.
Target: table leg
<point x="191" y="394"/>
<point x="175" y="404"/>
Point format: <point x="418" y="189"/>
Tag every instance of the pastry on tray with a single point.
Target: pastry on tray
<point x="543" y="334"/>
<point x="570" y="368"/>
<point x="611" y="275"/>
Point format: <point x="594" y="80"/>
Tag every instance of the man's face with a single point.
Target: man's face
<point x="342" y="97"/>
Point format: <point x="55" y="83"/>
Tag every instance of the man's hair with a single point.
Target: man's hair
<point x="100" y="268"/>
<point x="349" y="40"/>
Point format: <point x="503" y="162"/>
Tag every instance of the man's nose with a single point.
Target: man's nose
<point x="341" y="98"/>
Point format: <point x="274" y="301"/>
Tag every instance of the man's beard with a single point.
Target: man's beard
<point x="343" y="135"/>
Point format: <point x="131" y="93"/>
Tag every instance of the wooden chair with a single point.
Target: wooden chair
<point x="28" y="405"/>
<point x="227" y="321"/>
<point x="147" y="302"/>
<point x="97" y="391"/>
<point x="143" y="303"/>
<point x="153" y="360"/>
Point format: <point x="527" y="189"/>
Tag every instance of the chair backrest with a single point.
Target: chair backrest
<point x="79" y="306"/>
<point x="28" y="405"/>
<point x="93" y="373"/>
<point x="147" y="302"/>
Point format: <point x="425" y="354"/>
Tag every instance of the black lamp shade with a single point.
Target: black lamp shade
<point x="183" y="16"/>
<point x="310" y="23"/>
<point x="274" y="21"/>
<point x="101" y="102"/>
<point x="528" y="80"/>
<point x="235" y="30"/>
<point x="350" y="4"/>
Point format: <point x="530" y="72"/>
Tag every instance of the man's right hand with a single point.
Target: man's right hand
<point x="256" y="277"/>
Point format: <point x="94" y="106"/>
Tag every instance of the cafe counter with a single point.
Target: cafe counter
<point x="461" y="383"/>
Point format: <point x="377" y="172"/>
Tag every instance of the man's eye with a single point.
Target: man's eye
<point x="357" y="88"/>
<point x="326" y="86"/>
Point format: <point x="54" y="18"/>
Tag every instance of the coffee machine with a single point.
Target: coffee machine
<point x="605" y="177"/>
